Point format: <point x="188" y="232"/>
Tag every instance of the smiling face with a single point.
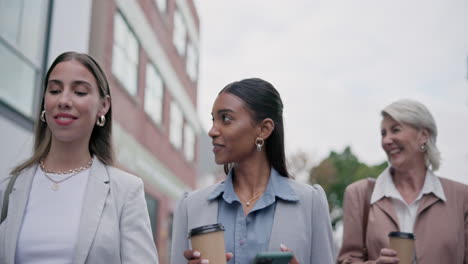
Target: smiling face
<point x="234" y="131"/>
<point x="72" y="102"/>
<point x="401" y="143"/>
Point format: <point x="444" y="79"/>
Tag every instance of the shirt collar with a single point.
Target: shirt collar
<point x="278" y="186"/>
<point x="384" y="187"/>
<point x="433" y="184"/>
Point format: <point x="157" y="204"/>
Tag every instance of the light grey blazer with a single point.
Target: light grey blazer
<point x="114" y="225"/>
<point x="304" y="227"/>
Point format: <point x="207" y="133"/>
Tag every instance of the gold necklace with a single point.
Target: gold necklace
<point x="55" y="185"/>
<point x="247" y="203"/>
<point x="82" y="168"/>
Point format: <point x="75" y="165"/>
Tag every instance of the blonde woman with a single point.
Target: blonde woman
<point x="407" y="197"/>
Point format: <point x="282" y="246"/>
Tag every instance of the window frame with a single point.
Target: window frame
<point x="122" y="56"/>
<point x="176" y="126"/>
<point x="151" y="84"/>
<point x="180" y="28"/>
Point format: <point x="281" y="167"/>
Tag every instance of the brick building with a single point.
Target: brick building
<point x="149" y="50"/>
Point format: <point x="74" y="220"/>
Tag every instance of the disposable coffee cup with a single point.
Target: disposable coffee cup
<point x="403" y="244"/>
<point x="209" y="240"/>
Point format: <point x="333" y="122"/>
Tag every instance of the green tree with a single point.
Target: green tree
<point x="336" y="172"/>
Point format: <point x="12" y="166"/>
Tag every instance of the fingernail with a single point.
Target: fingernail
<point x="196" y="254"/>
<point x="205" y="261"/>
<point x="230" y="254"/>
<point x="283" y="247"/>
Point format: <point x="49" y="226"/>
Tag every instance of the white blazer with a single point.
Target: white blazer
<point x="114" y="224"/>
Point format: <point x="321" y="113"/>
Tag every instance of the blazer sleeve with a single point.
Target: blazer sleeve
<point x="137" y="244"/>
<point x="180" y="241"/>
<point x="323" y="249"/>
<point x="352" y="246"/>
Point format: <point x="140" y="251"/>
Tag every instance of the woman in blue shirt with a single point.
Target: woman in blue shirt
<point x="259" y="204"/>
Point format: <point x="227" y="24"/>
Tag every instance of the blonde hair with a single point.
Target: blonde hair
<point x="100" y="143"/>
<point x="415" y="114"/>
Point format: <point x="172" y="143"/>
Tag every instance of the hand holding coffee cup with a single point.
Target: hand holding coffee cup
<point x="387" y="256"/>
<point x="208" y="242"/>
<point x="194" y="255"/>
<point x="403" y="244"/>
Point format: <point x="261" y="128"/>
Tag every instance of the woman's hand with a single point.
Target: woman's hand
<point x="194" y="257"/>
<point x="285" y="249"/>
<point x="388" y="256"/>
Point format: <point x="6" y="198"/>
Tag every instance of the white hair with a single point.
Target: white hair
<point x="415" y="114"/>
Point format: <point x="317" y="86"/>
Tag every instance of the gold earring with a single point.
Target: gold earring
<point x="259" y="142"/>
<point x="101" y="121"/>
<point x="43" y="116"/>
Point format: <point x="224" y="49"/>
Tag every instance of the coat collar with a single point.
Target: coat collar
<point x="386" y="205"/>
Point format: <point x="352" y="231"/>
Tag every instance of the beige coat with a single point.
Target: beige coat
<point x="441" y="228"/>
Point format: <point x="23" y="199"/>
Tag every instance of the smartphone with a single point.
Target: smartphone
<point x="273" y="258"/>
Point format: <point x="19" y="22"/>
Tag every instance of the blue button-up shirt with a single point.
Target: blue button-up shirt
<point x="245" y="236"/>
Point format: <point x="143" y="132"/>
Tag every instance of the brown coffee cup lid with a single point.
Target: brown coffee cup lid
<point x="206" y="229"/>
<point x="402" y="235"/>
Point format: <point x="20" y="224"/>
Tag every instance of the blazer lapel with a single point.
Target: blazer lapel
<point x="385" y="204"/>
<point x="96" y="194"/>
<point x="16" y="208"/>
<point x="209" y="208"/>
<point x="427" y="201"/>
<point x="281" y="219"/>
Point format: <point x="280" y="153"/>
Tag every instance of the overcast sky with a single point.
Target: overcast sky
<point x="338" y="63"/>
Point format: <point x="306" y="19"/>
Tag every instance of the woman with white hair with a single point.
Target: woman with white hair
<point x="407" y="197"/>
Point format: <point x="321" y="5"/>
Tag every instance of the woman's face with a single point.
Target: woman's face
<point x="72" y="102"/>
<point x="234" y="131"/>
<point x="401" y="143"/>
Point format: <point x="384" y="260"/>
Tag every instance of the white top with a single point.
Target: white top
<point x="406" y="213"/>
<point x="49" y="231"/>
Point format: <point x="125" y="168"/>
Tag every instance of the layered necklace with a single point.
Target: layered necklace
<point x="56" y="183"/>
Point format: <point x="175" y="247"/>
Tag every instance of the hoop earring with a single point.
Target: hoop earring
<point x="423" y="148"/>
<point x="259" y="142"/>
<point x="101" y="121"/>
<point x="43" y="116"/>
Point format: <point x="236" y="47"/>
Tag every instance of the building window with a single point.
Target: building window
<point x="176" y="126"/>
<point x="154" y="94"/>
<point x="22" y="38"/>
<point x="125" y="55"/>
<point x="153" y="206"/>
<point x="180" y="33"/>
<point x="192" y="62"/>
<point x="162" y="5"/>
<point x="189" y="142"/>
